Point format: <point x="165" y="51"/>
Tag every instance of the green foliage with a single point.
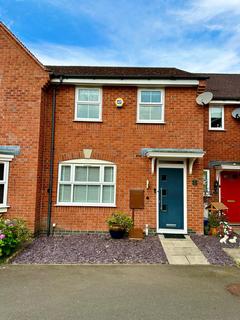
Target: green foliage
<point x="213" y="220"/>
<point x="12" y="234"/>
<point x="120" y="219"/>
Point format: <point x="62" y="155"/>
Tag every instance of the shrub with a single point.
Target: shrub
<point x="120" y="219"/>
<point x="12" y="234"/>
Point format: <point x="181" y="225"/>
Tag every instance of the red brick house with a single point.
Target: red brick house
<point x="75" y="140"/>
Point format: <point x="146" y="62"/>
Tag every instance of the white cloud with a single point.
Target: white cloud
<point x="202" y="36"/>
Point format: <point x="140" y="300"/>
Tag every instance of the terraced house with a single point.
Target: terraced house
<point x="75" y="140"/>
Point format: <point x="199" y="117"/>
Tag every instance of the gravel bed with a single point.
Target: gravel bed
<point x="213" y="249"/>
<point x="93" y="249"/>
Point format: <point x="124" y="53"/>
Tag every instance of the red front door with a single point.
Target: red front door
<point x="230" y="194"/>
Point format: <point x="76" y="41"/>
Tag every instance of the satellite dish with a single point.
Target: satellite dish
<point x="204" y="98"/>
<point x="236" y="113"/>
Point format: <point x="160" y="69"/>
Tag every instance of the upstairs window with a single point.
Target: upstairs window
<point x="88" y="104"/>
<point x="216" y="118"/>
<point x="3" y="183"/>
<point x="150" y="106"/>
<point x="87" y="184"/>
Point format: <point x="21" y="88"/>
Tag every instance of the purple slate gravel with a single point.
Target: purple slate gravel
<point x="93" y="249"/>
<point x="213" y="249"/>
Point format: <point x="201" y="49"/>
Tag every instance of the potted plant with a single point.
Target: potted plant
<point x="119" y="223"/>
<point x="213" y="222"/>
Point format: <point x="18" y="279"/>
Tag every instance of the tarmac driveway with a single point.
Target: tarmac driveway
<point x="117" y="292"/>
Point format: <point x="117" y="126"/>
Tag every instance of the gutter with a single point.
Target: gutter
<point x="52" y="149"/>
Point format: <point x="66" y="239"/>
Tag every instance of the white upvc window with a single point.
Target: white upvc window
<point x="4" y="170"/>
<point x="88" y="104"/>
<point x="150" y="107"/>
<point x="87" y="184"/>
<point x="216" y="118"/>
<point x="206" y="182"/>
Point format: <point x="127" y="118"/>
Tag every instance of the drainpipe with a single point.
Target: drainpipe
<point x="50" y="186"/>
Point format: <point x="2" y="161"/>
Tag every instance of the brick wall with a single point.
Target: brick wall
<point x="21" y="82"/>
<point x="119" y="139"/>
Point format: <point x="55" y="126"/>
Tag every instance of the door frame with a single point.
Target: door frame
<point x="168" y="164"/>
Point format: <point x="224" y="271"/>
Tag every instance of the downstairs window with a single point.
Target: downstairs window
<point x="87" y="184"/>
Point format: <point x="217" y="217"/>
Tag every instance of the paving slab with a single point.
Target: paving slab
<point x="234" y="253"/>
<point x="182" y="251"/>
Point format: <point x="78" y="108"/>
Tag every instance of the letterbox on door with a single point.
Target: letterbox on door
<point x="136" y="199"/>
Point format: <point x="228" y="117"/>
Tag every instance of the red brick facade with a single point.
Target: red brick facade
<point x="21" y="81"/>
<point x="119" y="139"/>
<point x="26" y="111"/>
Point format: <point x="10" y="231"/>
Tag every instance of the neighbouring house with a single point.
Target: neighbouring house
<point x="75" y="140"/>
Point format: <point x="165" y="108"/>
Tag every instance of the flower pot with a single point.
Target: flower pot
<point x="213" y="231"/>
<point x="117" y="232"/>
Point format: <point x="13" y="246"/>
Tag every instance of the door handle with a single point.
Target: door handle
<point x="161" y="199"/>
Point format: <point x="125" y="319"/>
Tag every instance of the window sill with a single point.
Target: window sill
<point x="99" y="205"/>
<point x="87" y="120"/>
<point x="4" y="209"/>
<point x="212" y="129"/>
<point x="144" y="122"/>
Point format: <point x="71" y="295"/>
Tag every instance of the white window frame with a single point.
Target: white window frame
<point x="162" y="104"/>
<point x="210" y="126"/>
<point x="207" y="194"/>
<point x="101" y="183"/>
<point x="5" y="183"/>
<point x="87" y="102"/>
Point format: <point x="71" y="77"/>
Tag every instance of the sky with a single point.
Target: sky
<point x="194" y="35"/>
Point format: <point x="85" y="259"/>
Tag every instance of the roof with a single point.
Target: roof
<point x="224" y="86"/>
<point x="122" y="72"/>
<point x="12" y="150"/>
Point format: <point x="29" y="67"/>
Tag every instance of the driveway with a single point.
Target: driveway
<point x="50" y="292"/>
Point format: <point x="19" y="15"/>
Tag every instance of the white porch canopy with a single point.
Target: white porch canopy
<point x="179" y="154"/>
<point x="225" y="165"/>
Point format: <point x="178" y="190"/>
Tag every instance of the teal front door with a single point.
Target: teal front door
<point x="170" y="195"/>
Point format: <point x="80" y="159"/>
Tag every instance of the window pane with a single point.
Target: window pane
<point x="83" y="95"/>
<point x="66" y="173"/>
<point x="80" y="194"/>
<point x="93" y="95"/>
<point x="108" y="194"/>
<point x="93" y="111"/>
<point x="65" y="193"/>
<point x="1" y="193"/>
<point x="1" y="171"/>
<point x="144" y="112"/>
<point x="145" y="96"/>
<point x="151" y="96"/>
<point x="88" y="95"/>
<point x="93" y="194"/>
<point x="156" y="96"/>
<point x="93" y="173"/>
<point x="108" y="174"/>
<point x="216" y="117"/>
<point x="82" y="111"/>
<point x="81" y="174"/>
<point x="156" y="113"/>
<point x="205" y="181"/>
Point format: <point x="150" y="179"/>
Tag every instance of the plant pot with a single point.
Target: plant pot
<point x="213" y="231"/>
<point x="117" y="232"/>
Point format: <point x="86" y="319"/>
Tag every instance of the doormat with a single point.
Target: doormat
<point x="174" y="236"/>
